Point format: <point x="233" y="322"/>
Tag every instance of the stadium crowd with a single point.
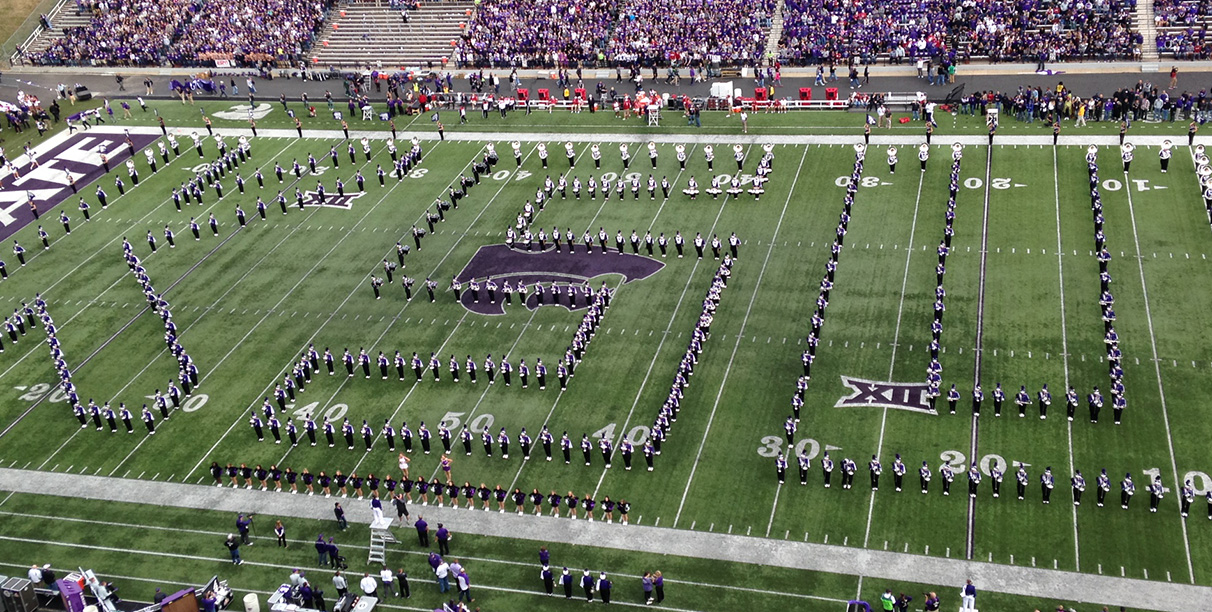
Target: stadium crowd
<point x="549" y="33"/>
<point x="187" y="32"/>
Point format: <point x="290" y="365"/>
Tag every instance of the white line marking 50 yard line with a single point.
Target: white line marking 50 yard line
<point x="1161" y="391"/>
<point x="728" y="370"/>
<point x="458" y="241"/>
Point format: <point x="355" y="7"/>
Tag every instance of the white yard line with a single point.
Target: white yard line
<point x="483" y="393"/>
<point x="327" y="320"/>
<point x="277" y="566"/>
<point x="269" y="313"/>
<point x="99" y="252"/>
<point x="413" y="553"/>
<point x="1161" y="391"/>
<point x="970" y="547"/>
<point x="1060" y="269"/>
<point x="741" y="334"/>
<point x="896" y="338"/>
<point x="657" y="353"/>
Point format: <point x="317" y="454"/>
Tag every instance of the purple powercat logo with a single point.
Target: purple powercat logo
<point x="79" y="158"/>
<point x="502" y="264"/>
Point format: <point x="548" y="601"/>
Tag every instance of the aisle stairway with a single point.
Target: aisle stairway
<point x="371" y="35"/>
<point x="65" y="17"/>
<point x="1146" y="25"/>
<point x="776" y="32"/>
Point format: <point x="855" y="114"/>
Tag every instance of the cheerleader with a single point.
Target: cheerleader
<point x="325" y="484"/>
<point x="308" y="481"/>
<point x="500" y="494"/>
<point x="422" y="487"/>
<point x="342" y="482"/>
<point x="439" y="492"/>
<point x="692" y="188"/>
<point x="485" y="495"/>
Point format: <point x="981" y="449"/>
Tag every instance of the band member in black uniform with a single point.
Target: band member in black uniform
<point x="1126" y="490"/>
<point x="1046" y="483"/>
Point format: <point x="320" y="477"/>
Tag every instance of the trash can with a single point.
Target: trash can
<point x="251" y="603"/>
<point x="830" y="93"/>
<point x="805" y="93"/>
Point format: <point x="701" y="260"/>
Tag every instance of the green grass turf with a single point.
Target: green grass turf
<point x="249" y="306"/>
<point x="169" y="549"/>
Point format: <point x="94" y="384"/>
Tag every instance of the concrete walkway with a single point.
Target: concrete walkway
<point x="1069" y="587"/>
<point x="907" y="136"/>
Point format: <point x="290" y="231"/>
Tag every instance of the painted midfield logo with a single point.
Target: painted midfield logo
<point x="879" y="394"/>
<point x="501" y="264"/>
<point x="332" y="200"/>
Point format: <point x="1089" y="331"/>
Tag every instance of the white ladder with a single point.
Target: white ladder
<point x="380" y="537"/>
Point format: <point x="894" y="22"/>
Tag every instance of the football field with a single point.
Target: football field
<point x="1022" y="309"/>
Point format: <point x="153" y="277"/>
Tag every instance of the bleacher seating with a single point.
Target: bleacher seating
<point x="732" y="31"/>
<point x="180" y="32"/>
<point x="537" y="32"/>
<point x="370" y="34"/>
<point x="1182" y="27"/>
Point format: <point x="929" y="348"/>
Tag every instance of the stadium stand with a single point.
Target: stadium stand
<point x="181" y="32"/>
<point x="723" y="31"/>
<point x="402" y="35"/>
<point x="533" y="33"/>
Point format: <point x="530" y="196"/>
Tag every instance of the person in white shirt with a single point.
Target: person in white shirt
<point x="443" y="574"/>
<point x="338" y="582"/>
<point x="35" y="575"/>
<point x="369" y="585"/>
<point x="386" y="576"/>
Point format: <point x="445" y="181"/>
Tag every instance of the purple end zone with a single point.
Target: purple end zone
<point x="80" y="155"/>
<point x="501" y="263"/>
